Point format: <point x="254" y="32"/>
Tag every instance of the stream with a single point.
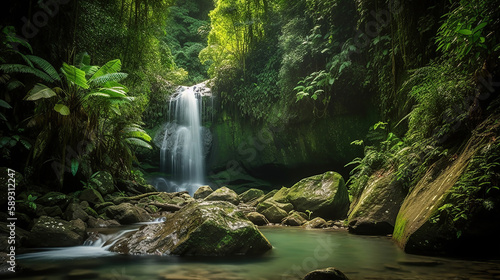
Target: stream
<point x="296" y="251"/>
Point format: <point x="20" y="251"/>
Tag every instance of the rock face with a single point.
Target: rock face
<point x="224" y="194"/>
<point x="325" y="195"/>
<point x="375" y="211"/>
<point x="199" y="229"/>
<point x="203" y="192"/>
<point x="51" y="232"/>
<point x="127" y="213"/>
<point x="421" y="228"/>
<point x="326" y="274"/>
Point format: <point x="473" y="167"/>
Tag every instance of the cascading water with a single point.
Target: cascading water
<point x="182" y="147"/>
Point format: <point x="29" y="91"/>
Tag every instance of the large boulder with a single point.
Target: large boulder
<point x="75" y="211"/>
<point x="251" y="195"/>
<point x="375" y="211"/>
<point x="203" y="192"/>
<point x="287" y="207"/>
<point x="52" y="232"/>
<point x="325" y="195"/>
<point x="202" y="229"/>
<point x="257" y="218"/>
<point x="224" y="194"/>
<point x="295" y="219"/>
<point x="274" y="214"/>
<point x="127" y="213"/>
<point x="316" y="223"/>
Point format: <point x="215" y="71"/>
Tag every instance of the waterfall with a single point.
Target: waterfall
<point x="181" y="151"/>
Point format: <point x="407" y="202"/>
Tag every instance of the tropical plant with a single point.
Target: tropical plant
<point x="80" y="110"/>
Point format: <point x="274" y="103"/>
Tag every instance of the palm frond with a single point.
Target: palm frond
<point x="25" y="69"/>
<point x="14" y="84"/>
<point x="138" y="142"/>
<point x="75" y="75"/>
<point x="112" y="66"/>
<point x="110" y="77"/>
<point x="46" y="66"/>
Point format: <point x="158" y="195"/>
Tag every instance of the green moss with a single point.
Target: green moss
<point x="399" y="228"/>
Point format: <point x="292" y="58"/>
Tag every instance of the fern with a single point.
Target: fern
<point x="138" y="142"/>
<point x="45" y="66"/>
<point x="110" y="77"/>
<point x="25" y="69"/>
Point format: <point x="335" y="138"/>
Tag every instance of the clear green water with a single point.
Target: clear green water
<point x="296" y="251"/>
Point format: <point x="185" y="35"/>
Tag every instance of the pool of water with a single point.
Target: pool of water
<point x="296" y="251"/>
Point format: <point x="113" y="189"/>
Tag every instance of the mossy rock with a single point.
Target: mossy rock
<point x="53" y="232"/>
<point x="295" y="219"/>
<point x="325" y="195"/>
<point x="224" y="194"/>
<point x="208" y="228"/>
<point x="202" y="192"/>
<point x="274" y="214"/>
<point x="251" y="194"/>
<point x="257" y="218"/>
<point x="376" y="209"/>
<point x="287" y="207"/>
<point x="316" y="223"/>
<point x="127" y="213"/>
<point x="281" y="195"/>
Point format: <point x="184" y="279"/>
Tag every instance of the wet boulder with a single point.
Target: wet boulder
<point x="376" y="209"/>
<point x="53" y="232"/>
<point x="251" y="195"/>
<point x="203" y="192"/>
<point x="224" y="194"/>
<point x="127" y="213"/>
<point x="274" y="214"/>
<point x="261" y="207"/>
<point x="316" y="223"/>
<point x="325" y="195"/>
<point x="257" y="218"/>
<point x="205" y="228"/>
<point x="295" y="219"/>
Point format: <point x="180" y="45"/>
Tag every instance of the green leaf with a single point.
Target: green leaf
<point x="39" y="91"/>
<point x="138" y="142"/>
<point x="479" y="27"/>
<point x="46" y="66"/>
<point x="466" y="32"/>
<point x="4" y="104"/>
<point x="75" y="163"/>
<point x="112" y="66"/>
<point x="75" y="75"/>
<point x="62" y="109"/>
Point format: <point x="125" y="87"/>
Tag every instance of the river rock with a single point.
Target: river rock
<point x="100" y="223"/>
<point x="325" y="195"/>
<point x="295" y="219"/>
<point x="127" y="213"/>
<point x="251" y="194"/>
<point x="287" y="207"/>
<point x="281" y="195"/>
<point x="52" y="232"/>
<point x="75" y="211"/>
<point x="316" y="223"/>
<point x="92" y="196"/>
<point x="134" y="188"/>
<point x="375" y="211"/>
<point x="224" y="194"/>
<point x="203" y="192"/>
<point x="330" y="273"/>
<point x="257" y="218"/>
<point x="201" y="229"/>
<point x="274" y="214"/>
